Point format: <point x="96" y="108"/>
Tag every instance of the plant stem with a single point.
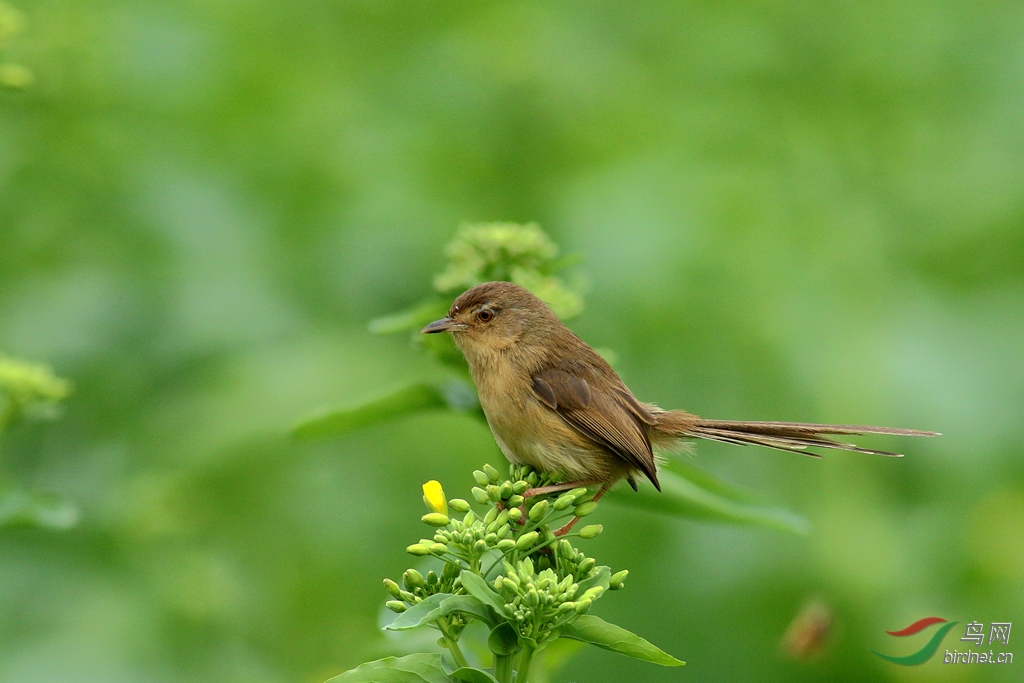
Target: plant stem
<point x="503" y="668"/>
<point x="453" y="644"/>
<point x="524" y="663"/>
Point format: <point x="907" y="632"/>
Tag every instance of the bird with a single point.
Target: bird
<point x="554" y="403"/>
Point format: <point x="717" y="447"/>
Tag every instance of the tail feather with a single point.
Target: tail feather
<point x="795" y="437"/>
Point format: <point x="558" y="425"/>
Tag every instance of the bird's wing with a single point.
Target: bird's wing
<point x="613" y="419"/>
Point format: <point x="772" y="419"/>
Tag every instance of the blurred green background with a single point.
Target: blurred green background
<point x="785" y="210"/>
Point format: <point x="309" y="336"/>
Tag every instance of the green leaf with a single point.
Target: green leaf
<point x="597" y="631"/>
<point x="334" y="423"/>
<point x="689" y="492"/>
<point x="420" y="613"/>
<point x="471" y="675"/>
<point x="451" y="394"/>
<point x="503" y="639"/>
<point x="479" y="589"/>
<point x="36" y="509"/>
<point x="469" y="605"/>
<point x="409" y="669"/>
<point x="411" y="319"/>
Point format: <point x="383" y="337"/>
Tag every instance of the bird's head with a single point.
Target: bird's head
<point x="494" y="316"/>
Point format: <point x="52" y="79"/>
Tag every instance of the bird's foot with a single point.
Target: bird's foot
<point x="555" y="488"/>
<point x="566" y="528"/>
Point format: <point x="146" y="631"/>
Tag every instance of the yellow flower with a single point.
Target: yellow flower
<point x="433" y="496"/>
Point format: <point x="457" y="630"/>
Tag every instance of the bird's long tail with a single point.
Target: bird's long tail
<point x="796" y="437"/>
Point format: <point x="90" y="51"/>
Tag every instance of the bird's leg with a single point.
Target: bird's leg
<point x="572" y="522"/>
<point x="555" y="488"/>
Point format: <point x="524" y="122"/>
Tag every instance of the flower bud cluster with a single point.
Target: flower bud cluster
<point x="543" y="580"/>
<point x="538" y="603"/>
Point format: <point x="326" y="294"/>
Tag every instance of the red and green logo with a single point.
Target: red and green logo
<point x="929" y="649"/>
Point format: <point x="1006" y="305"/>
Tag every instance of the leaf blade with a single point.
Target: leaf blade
<point x="420" y="613"/>
<point x="684" y="497"/>
<point x="419" y="668"/>
<point x="598" y="632"/>
<point x="340" y="421"/>
<point x="479" y="589"/>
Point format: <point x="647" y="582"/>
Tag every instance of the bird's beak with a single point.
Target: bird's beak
<point x="442" y="325"/>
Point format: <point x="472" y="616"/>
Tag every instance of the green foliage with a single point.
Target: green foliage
<point x="13" y="76"/>
<point x="30" y="391"/>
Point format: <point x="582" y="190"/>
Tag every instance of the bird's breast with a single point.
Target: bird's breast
<point x="529" y="432"/>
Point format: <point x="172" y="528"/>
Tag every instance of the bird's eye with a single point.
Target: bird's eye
<point x="485" y="315"/>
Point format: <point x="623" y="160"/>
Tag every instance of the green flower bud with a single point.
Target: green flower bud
<point x="441" y="537"/>
<point x="413" y="579"/>
<point x="565" y="549"/>
<point x="520" y="487"/>
<point x="585" y="566"/>
<point x="585" y="509"/>
<point x="532" y="479"/>
<point x="491" y="538"/>
<point x="435" y="519"/>
<point x="492" y="473"/>
<point x="458" y="505"/>
<point x="469" y="519"/>
<point x="618" y="580"/>
<point x="396" y="606"/>
<point x="392" y="588"/>
<point x="480" y="547"/>
<point x="491" y="515"/>
<point x="480" y="477"/>
<point x="564" y="501"/>
<point x="515" y="501"/>
<point x="493" y="493"/>
<point x="479" y="495"/>
<point x="449" y="571"/>
<point x="438" y="549"/>
<point x="431" y="578"/>
<point x="515" y="514"/>
<point x="506" y="544"/>
<point x="498" y="581"/>
<point x="408" y="597"/>
<point x="591" y="530"/>
<point x="566" y="607"/>
<point x="504" y="531"/>
<point x="592" y="594"/>
<point x="506" y="491"/>
<point x="526" y="567"/>
<point x="538" y="511"/>
<point x="578" y="494"/>
<point x="527" y="540"/>
<point x="418" y="549"/>
<point x="502" y="518"/>
<point x="582" y="606"/>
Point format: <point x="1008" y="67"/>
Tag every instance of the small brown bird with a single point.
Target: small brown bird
<point x="555" y="404"/>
